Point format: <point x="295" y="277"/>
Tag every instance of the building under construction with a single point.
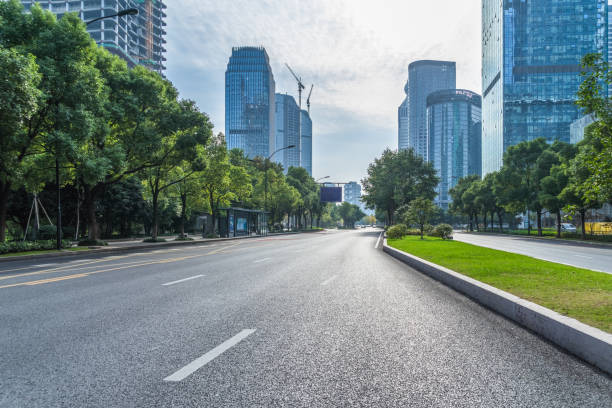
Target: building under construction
<point x="138" y="39"/>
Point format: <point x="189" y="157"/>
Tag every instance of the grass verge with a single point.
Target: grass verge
<point x="46" y="251"/>
<point x="582" y="294"/>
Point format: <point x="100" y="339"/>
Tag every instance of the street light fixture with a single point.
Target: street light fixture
<point x="121" y="13"/>
<point x="322" y="178"/>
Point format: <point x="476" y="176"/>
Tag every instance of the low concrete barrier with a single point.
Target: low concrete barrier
<point x="588" y="343"/>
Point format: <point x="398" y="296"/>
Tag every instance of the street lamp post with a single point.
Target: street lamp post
<point x="266" y="174"/>
<point x="322" y="178"/>
<point x="58" y="232"/>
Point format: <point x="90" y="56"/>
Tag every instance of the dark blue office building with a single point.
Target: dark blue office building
<point x="531" y="52"/>
<point x="249" y="102"/>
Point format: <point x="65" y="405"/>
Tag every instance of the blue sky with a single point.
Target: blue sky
<point x="355" y="52"/>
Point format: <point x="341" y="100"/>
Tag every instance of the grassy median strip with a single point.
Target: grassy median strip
<point x="579" y="293"/>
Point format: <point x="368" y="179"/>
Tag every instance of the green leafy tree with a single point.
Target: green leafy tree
<point x="395" y="179"/>
<point x="458" y="205"/>
<point x="350" y="214"/>
<point x="418" y="212"/>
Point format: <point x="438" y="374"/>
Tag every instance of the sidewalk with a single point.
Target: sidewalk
<point x="115" y="246"/>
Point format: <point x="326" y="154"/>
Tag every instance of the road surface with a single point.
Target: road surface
<point x="594" y="257"/>
<point x="311" y="320"/>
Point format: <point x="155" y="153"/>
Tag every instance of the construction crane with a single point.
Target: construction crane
<point x="308" y="99"/>
<point x="299" y="82"/>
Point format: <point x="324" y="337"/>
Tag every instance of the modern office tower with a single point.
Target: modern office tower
<point x="287" y="114"/>
<point x="138" y="39"/>
<point x="531" y="53"/>
<point x="352" y="193"/>
<point x="425" y="77"/>
<point x="578" y="127"/>
<point x="403" y="121"/>
<point x="454" y="133"/>
<point x="306" y="142"/>
<point x="249" y="102"/>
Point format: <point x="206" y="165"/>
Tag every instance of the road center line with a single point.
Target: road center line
<point x="378" y="241"/>
<point x="208" y="357"/>
<point x="181" y="280"/>
<point x="325" y="282"/>
<point x="262" y="260"/>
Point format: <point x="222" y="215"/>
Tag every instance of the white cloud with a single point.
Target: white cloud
<point x="356" y="52"/>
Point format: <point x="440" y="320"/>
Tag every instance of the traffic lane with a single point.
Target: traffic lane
<point x="594" y="258"/>
<point x="381" y="334"/>
<point x="117" y="330"/>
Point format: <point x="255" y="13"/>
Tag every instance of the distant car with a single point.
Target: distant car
<point x="567" y="227"/>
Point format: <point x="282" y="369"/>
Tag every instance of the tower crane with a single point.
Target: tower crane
<point x="308" y="99"/>
<point x="300" y="84"/>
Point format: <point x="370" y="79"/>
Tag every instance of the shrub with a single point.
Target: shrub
<point x="92" y="242"/>
<point x="397" y="231"/>
<point x="154" y="240"/>
<point x="444" y="231"/>
<point x="47" y="232"/>
<point x="25" y="246"/>
<point x="184" y="238"/>
<point x="428" y="228"/>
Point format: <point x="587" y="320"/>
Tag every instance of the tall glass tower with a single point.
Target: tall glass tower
<point x="531" y="52"/>
<point x="425" y="77"/>
<point x="454" y="133"/>
<point x="306" y="142"/>
<point x="287" y="116"/>
<point x="249" y="102"/>
<point x="138" y="39"/>
<point x="403" y="121"/>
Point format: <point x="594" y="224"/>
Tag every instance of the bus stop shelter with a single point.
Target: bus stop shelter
<point x="238" y="222"/>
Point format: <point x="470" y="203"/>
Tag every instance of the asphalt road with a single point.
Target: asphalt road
<point x="311" y="320"/>
<point x="594" y="257"/>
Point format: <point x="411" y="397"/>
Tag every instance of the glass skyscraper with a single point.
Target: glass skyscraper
<point x="402" y="122"/>
<point x="138" y="39"/>
<point x="531" y="52"/>
<point x="454" y="133"/>
<point x="287" y="116"/>
<point x="425" y="77"/>
<point x="352" y="193"/>
<point x="306" y="142"/>
<point x="249" y="102"/>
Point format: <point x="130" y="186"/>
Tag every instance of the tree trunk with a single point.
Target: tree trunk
<point x="476" y="222"/>
<point x="539" y="220"/>
<point x="500" y="218"/>
<point x="582" y="219"/>
<point x="155" y="196"/>
<point x="528" y="223"/>
<point x="484" y="221"/>
<point x="4" y="197"/>
<point x="422" y="228"/>
<point x="90" y="211"/>
<point x="183" y="213"/>
<point x="559" y="224"/>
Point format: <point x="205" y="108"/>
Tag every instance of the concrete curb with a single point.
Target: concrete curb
<point x="588" y="343"/>
<point x="556" y="241"/>
<point x="133" y="248"/>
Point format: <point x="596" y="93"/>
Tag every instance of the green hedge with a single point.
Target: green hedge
<point x="25" y="246"/>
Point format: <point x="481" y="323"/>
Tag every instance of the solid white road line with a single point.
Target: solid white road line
<point x="208" y="357"/>
<point x="182" y="280"/>
<point x="325" y="282"/>
<point x="583" y="256"/>
<point x="43" y="265"/>
<point x="378" y="241"/>
<point x="262" y="260"/>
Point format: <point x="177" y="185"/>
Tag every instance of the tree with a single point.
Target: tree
<point x="350" y="214"/>
<point x="395" y="179"/>
<point x="419" y="211"/>
<point x="20" y="97"/>
<point x="458" y="205"/>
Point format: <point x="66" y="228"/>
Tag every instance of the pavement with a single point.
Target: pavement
<point x="312" y="320"/>
<point x="594" y="257"/>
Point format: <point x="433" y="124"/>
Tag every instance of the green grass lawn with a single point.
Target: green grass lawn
<point x="582" y="294"/>
<point x="46" y="251"/>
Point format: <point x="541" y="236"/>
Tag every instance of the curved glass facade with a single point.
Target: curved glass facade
<point x="454" y="133"/>
<point x="531" y="68"/>
<point x="403" y="121"/>
<point x="425" y="77"/>
<point x="306" y="153"/>
<point x="249" y="102"/>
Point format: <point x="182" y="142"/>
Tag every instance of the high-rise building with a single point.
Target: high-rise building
<point x="352" y="193"/>
<point x="425" y="77"/>
<point x="531" y="53"/>
<point x="287" y="114"/>
<point x="138" y="39"/>
<point x="306" y="142"/>
<point x="403" y="122"/>
<point x="578" y="127"/>
<point x="454" y="133"/>
<point x="249" y="102"/>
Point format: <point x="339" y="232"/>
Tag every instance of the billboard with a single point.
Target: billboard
<point x="331" y="194"/>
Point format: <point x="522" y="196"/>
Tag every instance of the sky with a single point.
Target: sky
<point x="355" y="52"/>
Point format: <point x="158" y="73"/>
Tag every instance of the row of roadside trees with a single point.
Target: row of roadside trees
<point x="117" y="143"/>
<point x="558" y="177"/>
